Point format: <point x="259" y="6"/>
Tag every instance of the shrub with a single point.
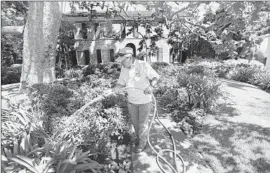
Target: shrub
<point x="10" y="75"/>
<point x="159" y="65"/>
<point x="167" y="79"/>
<point x="189" y="121"/>
<point x="108" y="70"/>
<point x="94" y="128"/>
<point x="201" y="87"/>
<point x="202" y="91"/>
<point x="261" y="79"/>
<point x="55" y="101"/>
<point x="73" y="73"/>
<point x="31" y="149"/>
<point x="242" y="73"/>
<point x="53" y="98"/>
<point x="174" y="99"/>
<point x="200" y="70"/>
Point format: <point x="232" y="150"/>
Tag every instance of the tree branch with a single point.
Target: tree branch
<point x="200" y="26"/>
<point x="183" y="9"/>
<point x="194" y="32"/>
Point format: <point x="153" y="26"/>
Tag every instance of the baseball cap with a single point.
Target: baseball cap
<point x="122" y="52"/>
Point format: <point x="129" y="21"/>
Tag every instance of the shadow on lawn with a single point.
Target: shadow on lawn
<point x="235" y="147"/>
<point x="227" y="109"/>
<point x="236" y="84"/>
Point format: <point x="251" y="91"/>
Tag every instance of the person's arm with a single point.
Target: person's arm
<point x="117" y="87"/>
<point x="152" y="76"/>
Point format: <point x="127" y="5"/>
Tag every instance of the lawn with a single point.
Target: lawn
<point x="237" y="138"/>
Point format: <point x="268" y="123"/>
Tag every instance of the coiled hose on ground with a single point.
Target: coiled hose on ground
<point x="155" y="115"/>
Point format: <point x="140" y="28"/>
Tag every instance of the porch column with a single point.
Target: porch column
<point x="79" y="45"/>
<point x="267" y="66"/>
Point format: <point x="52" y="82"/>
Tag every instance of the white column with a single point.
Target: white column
<point x="267" y="52"/>
<point x="77" y="34"/>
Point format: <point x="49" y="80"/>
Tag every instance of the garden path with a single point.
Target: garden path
<point x="237" y="138"/>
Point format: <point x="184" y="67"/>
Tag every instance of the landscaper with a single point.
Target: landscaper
<point x="139" y="77"/>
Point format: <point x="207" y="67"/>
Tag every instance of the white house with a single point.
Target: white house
<point x="98" y="39"/>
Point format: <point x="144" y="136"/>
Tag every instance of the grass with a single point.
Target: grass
<point x="233" y="147"/>
<point x="236" y="139"/>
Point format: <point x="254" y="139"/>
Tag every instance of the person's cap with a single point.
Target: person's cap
<point x="122" y="52"/>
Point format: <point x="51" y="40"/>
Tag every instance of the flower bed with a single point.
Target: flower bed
<point x="51" y="137"/>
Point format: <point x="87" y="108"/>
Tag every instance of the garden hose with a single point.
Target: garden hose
<point x="174" y="151"/>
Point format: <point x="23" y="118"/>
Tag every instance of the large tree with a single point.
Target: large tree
<point x="40" y="36"/>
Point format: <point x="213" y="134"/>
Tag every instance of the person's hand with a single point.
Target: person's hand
<point x="148" y="90"/>
<point x="154" y="82"/>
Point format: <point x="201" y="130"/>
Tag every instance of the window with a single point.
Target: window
<point x="99" y="60"/>
<point x="87" y="57"/>
<point x="112" y="55"/>
<point x="84" y="31"/>
<point x="135" y="32"/>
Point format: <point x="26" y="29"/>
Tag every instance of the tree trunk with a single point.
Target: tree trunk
<point x="33" y="48"/>
<point x="51" y="24"/>
<point x="40" y="36"/>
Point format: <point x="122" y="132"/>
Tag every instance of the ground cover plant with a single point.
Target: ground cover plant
<point x="10" y="75"/>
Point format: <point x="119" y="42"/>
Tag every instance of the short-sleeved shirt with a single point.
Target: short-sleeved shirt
<point x="138" y="76"/>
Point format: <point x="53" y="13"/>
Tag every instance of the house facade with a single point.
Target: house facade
<point x="98" y="39"/>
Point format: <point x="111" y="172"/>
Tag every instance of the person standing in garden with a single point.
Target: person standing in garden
<point x="139" y="78"/>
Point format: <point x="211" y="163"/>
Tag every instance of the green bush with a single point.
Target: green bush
<point x="174" y="99"/>
<point x="168" y="78"/>
<point x="200" y="70"/>
<point x="242" y="74"/>
<point x="159" y="65"/>
<point x="200" y="84"/>
<point x="190" y="121"/>
<point x="10" y="75"/>
<point x="55" y="101"/>
<point x="73" y="73"/>
<point x="108" y="70"/>
<point x="202" y="91"/>
<point x="27" y="147"/>
<point x="95" y="127"/>
<point x="261" y="79"/>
